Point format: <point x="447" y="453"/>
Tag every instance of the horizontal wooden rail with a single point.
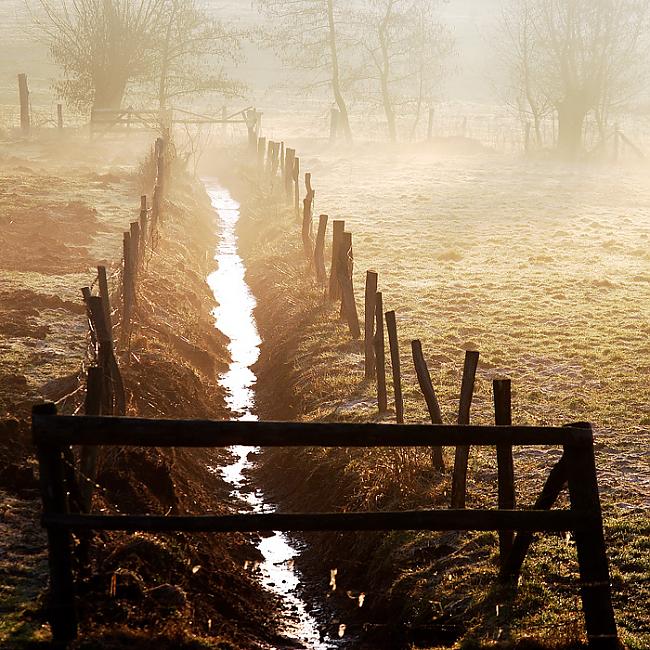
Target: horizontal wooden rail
<point x="138" y="432"/>
<point x="525" y="520"/>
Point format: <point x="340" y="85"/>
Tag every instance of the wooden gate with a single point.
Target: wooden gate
<point x="54" y="434"/>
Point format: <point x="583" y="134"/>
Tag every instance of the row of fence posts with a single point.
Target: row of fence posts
<point x="273" y="157"/>
<point x="105" y="392"/>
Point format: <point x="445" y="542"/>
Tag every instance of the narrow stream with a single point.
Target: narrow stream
<point x="235" y="318"/>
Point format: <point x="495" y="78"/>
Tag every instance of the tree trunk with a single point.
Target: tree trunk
<point x="344" y="120"/>
<point x="571" y="118"/>
<point x="109" y="92"/>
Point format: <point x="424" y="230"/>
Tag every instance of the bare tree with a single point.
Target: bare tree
<point x="306" y="36"/>
<point x="190" y="54"/>
<point x="405" y="48"/>
<point x="582" y="57"/>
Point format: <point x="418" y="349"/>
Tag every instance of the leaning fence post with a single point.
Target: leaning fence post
<point x="338" y="228"/>
<point x="459" y="483"/>
<point x="345" y="276"/>
<point x="426" y="386"/>
<point x="307" y="243"/>
<point x="595" y="583"/>
<point x="380" y="354"/>
<point x="502" y="389"/>
<point x="319" y="250"/>
<point x="369" y="323"/>
<point x="127" y="284"/>
<point x="391" y="326"/>
<point x="61" y="605"/>
<point x="105" y="296"/>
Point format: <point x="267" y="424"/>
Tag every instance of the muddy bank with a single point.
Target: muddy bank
<point x="169" y="590"/>
<point x="430" y="590"/>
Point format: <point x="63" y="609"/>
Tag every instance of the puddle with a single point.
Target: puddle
<point x="235" y="318"/>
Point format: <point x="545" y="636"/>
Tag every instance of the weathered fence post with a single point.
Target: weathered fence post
<point x="391" y="326"/>
<point x="61" y="599"/>
<point x="295" y="183"/>
<point x="144" y="217"/>
<point x="338" y="228"/>
<point x="459" y="484"/>
<point x="319" y="250"/>
<point x="380" y="354"/>
<point x="345" y="268"/>
<point x="307" y="243"/>
<point x="502" y="389"/>
<point x="127" y="285"/>
<point x="595" y="582"/>
<point x="289" y="160"/>
<point x="105" y="297"/>
<point x="261" y="150"/>
<point x="59" y="117"/>
<point x="23" y="92"/>
<point x="426" y="386"/>
<point x="369" y="323"/>
<point x="135" y="255"/>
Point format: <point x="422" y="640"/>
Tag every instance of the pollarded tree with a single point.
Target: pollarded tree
<point x="101" y="45"/>
<point x="405" y="47"/>
<point x="306" y="36"/>
<point x="590" y="58"/>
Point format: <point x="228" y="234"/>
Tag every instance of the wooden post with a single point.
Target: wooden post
<point x="338" y="228"/>
<point x="105" y="297"/>
<point x="290" y="157"/>
<point x="345" y="268"/>
<point x="87" y="294"/>
<point x="296" y="186"/>
<point x="144" y="218"/>
<point x="502" y="390"/>
<point x="595" y="583"/>
<point x="307" y="243"/>
<point x="334" y="125"/>
<point x="372" y="279"/>
<point x="319" y="250"/>
<point x="459" y="484"/>
<point x="261" y="150"/>
<point x="61" y="599"/>
<point x="135" y="253"/>
<point x="127" y="284"/>
<point x="391" y="326"/>
<point x="555" y="482"/>
<point x="59" y="117"/>
<point x="23" y="92"/>
<point x="426" y="386"/>
<point x="88" y="458"/>
<point x="380" y="354"/>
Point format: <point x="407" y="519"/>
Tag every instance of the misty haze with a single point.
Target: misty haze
<point x="325" y="324"/>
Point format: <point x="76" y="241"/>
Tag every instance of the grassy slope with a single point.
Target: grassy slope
<point x="432" y="586"/>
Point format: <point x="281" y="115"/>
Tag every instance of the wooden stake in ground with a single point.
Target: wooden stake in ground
<point x="23" y="92"/>
<point x="459" y="484"/>
<point x="391" y="326"/>
<point x="346" y="286"/>
<point x="319" y="250"/>
<point x="426" y="386"/>
<point x="295" y="178"/>
<point x="105" y="297"/>
<point x="372" y="279"/>
<point x="289" y="160"/>
<point x="338" y="228"/>
<point x="144" y="218"/>
<point x="506" y="473"/>
<point x="380" y="354"/>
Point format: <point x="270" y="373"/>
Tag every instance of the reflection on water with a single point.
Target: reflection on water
<point x="235" y="318"/>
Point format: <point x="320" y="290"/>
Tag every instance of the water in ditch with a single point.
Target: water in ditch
<point x="235" y="318"/>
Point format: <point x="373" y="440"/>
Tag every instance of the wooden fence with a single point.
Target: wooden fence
<point x="54" y="434"/>
<point x="268" y="162"/>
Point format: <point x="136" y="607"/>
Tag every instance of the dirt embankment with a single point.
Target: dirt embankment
<point x="431" y="590"/>
<point x="139" y="590"/>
